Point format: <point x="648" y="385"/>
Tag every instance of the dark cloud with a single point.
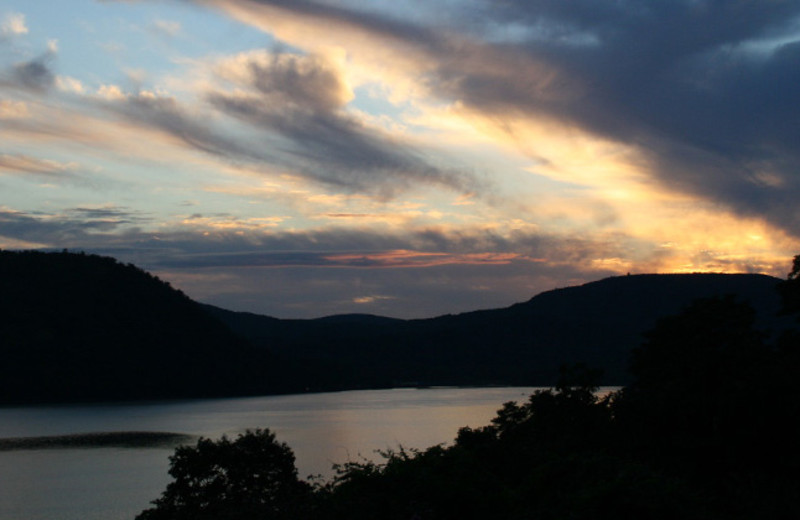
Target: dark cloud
<point x="109" y="217"/>
<point x="298" y="107"/>
<point x="308" y="274"/>
<point x="301" y="98"/>
<point x="305" y="83"/>
<point x="34" y="75"/>
<point x="338" y="150"/>
<point x="49" y="229"/>
<point x="701" y="87"/>
<point x="75" y="228"/>
<point x="167" y="115"/>
<point x="705" y="89"/>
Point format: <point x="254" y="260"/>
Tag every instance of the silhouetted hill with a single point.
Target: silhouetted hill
<point x="85" y="327"/>
<point x="597" y="323"/>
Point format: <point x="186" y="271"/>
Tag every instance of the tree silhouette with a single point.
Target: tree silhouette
<point x="700" y="384"/>
<point x="790" y="289"/>
<point x="795" y="273"/>
<point x="251" y="477"/>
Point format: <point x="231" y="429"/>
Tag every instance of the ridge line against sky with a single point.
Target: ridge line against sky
<point x="306" y="158"/>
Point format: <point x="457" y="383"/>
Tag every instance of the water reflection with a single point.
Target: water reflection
<point x="113" y="483"/>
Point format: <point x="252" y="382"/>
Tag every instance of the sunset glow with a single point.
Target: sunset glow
<point x="409" y="159"/>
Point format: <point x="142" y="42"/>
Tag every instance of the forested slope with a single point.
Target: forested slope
<point x="85" y="327"/>
<point x="598" y="323"/>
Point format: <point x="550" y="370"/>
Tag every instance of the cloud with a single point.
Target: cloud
<point x="167" y="28"/>
<point x="308" y="274"/>
<point x="607" y="136"/>
<point x="677" y="79"/>
<point x="13" y="24"/>
<point x="418" y="272"/>
<point x="108" y="215"/>
<point x="704" y="91"/>
<point x="16" y="163"/>
<point x="167" y="115"/>
<point x="35" y="74"/>
<point x="81" y="125"/>
<point x="294" y="109"/>
<point x="339" y="150"/>
<point x="70" y="84"/>
<point x="49" y="230"/>
<point x="186" y="247"/>
<point x="13" y="109"/>
<point x="303" y="98"/>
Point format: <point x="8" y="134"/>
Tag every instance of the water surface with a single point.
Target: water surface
<point x="115" y="482"/>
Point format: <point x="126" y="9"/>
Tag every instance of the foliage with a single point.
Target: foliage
<point x="790" y="289"/>
<point x="695" y="376"/>
<point x="794" y="274"/>
<point x="714" y="402"/>
<point x="253" y="476"/>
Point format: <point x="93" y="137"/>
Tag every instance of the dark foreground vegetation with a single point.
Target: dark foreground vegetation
<point x="707" y="429"/>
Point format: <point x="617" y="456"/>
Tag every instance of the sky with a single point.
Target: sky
<point x="406" y="158"/>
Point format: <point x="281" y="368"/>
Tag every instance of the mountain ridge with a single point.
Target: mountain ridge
<point x="79" y="327"/>
<point x="551" y="328"/>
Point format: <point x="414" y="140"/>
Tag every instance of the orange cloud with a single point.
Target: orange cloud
<point x="417" y="259"/>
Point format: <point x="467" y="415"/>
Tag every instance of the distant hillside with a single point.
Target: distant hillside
<point x="76" y="327"/>
<point x="597" y="323"/>
<point x="84" y="327"/>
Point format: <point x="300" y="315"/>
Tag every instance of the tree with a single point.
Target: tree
<point x="790" y="288"/>
<point x="702" y="379"/>
<point x="795" y="273"/>
<point x="251" y="477"/>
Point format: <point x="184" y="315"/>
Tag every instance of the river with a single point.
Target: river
<point x="116" y="483"/>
